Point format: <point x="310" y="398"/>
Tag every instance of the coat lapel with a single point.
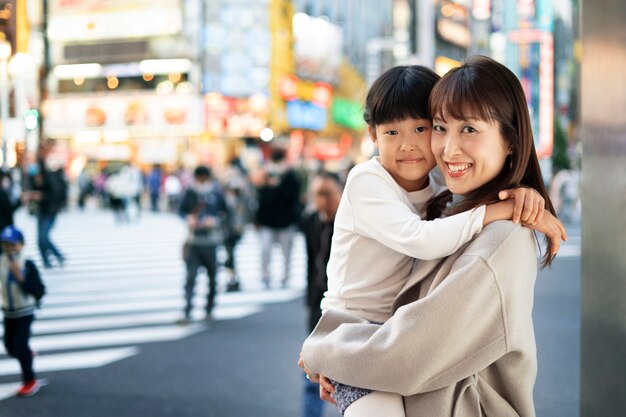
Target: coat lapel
<point x="426" y="276"/>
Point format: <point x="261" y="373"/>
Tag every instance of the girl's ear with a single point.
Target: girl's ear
<point x="372" y="133"/>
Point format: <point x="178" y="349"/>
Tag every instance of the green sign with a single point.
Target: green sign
<point x="347" y="113"/>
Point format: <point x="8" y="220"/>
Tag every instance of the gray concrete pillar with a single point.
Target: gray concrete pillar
<point x="603" y="114"/>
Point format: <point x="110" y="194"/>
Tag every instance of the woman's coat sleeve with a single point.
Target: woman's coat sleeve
<point x="457" y="330"/>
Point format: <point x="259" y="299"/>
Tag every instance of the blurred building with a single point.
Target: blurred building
<point x="124" y="80"/>
<point x="175" y="82"/>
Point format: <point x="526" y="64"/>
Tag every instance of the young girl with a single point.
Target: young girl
<point x="379" y="227"/>
<point x="461" y="339"/>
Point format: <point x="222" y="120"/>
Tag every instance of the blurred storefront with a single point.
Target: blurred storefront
<point x="124" y="81"/>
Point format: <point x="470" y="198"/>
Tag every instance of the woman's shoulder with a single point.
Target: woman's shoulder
<point x="503" y="242"/>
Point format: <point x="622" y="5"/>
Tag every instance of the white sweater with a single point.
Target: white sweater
<point x="378" y="232"/>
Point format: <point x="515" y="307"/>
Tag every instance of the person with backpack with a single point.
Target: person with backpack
<point x="204" y="209"/>
<point x="22" y="289"/>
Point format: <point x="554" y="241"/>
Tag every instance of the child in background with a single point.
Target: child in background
<point x="380" y="227"/>
<point x="22" y="289"/>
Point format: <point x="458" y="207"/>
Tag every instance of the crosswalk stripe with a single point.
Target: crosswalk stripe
<point x="101" y="338"/>
<point x="71" y="360"/>
<point x="41" y="327"/>
<point x="122" y="286"/>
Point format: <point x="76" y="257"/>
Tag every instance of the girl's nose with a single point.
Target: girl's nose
<point x="407" y="147"/>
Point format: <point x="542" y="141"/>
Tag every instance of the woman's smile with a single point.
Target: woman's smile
<point x="456" y="169"/>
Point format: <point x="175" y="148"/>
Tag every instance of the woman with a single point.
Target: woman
<point x="461" y="341"/>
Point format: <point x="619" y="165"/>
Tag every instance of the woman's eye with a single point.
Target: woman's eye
<point x="438" y="128"/>
<point x="469" y="129"/>
<point x="420" y="129"/>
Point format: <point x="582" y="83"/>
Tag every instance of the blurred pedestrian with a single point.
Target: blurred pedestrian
<point x="278" y="213"/>
<point x="8" y="204"/>
<point x="50" y="195"/>
<point x="317" y="226"/>
<point x="204" y="208"/>
<point x="173" y="189"/>
<point x="241" y="204"/>
<point x="123" y="188"/>
<point x="21" y="288"/>
<point x="85" y="187"/>
<point x="565" y="194"/>
<point x="155" y="177"/>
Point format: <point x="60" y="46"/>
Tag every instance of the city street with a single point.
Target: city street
<point x="108" y="344"/>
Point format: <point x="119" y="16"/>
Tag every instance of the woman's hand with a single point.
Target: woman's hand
<point x="529" y="204"/>
<point x="552" y="227"/>
<point x="326" y="387"/>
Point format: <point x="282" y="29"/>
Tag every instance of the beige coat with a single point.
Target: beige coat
<point x="461" y="342"/>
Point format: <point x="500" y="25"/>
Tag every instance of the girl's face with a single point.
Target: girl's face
<point x="470" y="152"/>
<point x="404" y="148"/>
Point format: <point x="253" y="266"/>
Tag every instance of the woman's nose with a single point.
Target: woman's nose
<point x="451" y="147"/>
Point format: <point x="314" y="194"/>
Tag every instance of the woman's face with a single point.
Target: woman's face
<point x="404" y="148"/>
<point x="469" y="152"/>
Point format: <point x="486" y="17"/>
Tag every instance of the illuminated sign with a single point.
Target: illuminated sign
<point x="305" y="115"/>
<point x="291" y="88"/>
<point x="481" y="9"/>
<point x="526" y="9"/>
<point x="454" y="32"/>
<point x="317" y="48"/>
<point x="141" y="113"/>
<point x="348" y="113"/>
<point x="546" y="84"/>
<point x="72" y="20"/>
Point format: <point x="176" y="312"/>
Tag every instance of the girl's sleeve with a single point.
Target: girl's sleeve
<point x="455" y="331"/>
<point x="379" y="214"/>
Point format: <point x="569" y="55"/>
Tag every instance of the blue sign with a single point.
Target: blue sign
<point x="545" y="15"/>
<point x="305" y="115"/>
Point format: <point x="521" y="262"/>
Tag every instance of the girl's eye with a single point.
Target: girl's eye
<point x="420" y="129"/>
<point x="391" y="132"/>
<point x="438" y="128"/>
<point x="469" y="129"/>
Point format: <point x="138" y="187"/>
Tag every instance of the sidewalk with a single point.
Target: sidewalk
<point x="557" y="328"/>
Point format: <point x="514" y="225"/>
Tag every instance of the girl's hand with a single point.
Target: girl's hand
<point x="326" y="390"/>
<point x="552" y="228"/>
<point x="529" y="204"/>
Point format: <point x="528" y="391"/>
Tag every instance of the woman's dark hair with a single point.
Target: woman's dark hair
<point x="398" y="94"/>
<point x="487" y="90"/>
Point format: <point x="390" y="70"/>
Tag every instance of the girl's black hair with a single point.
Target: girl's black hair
<point x="400" y="93"/>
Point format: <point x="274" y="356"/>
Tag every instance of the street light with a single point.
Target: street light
<point x="5" y="54"/>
